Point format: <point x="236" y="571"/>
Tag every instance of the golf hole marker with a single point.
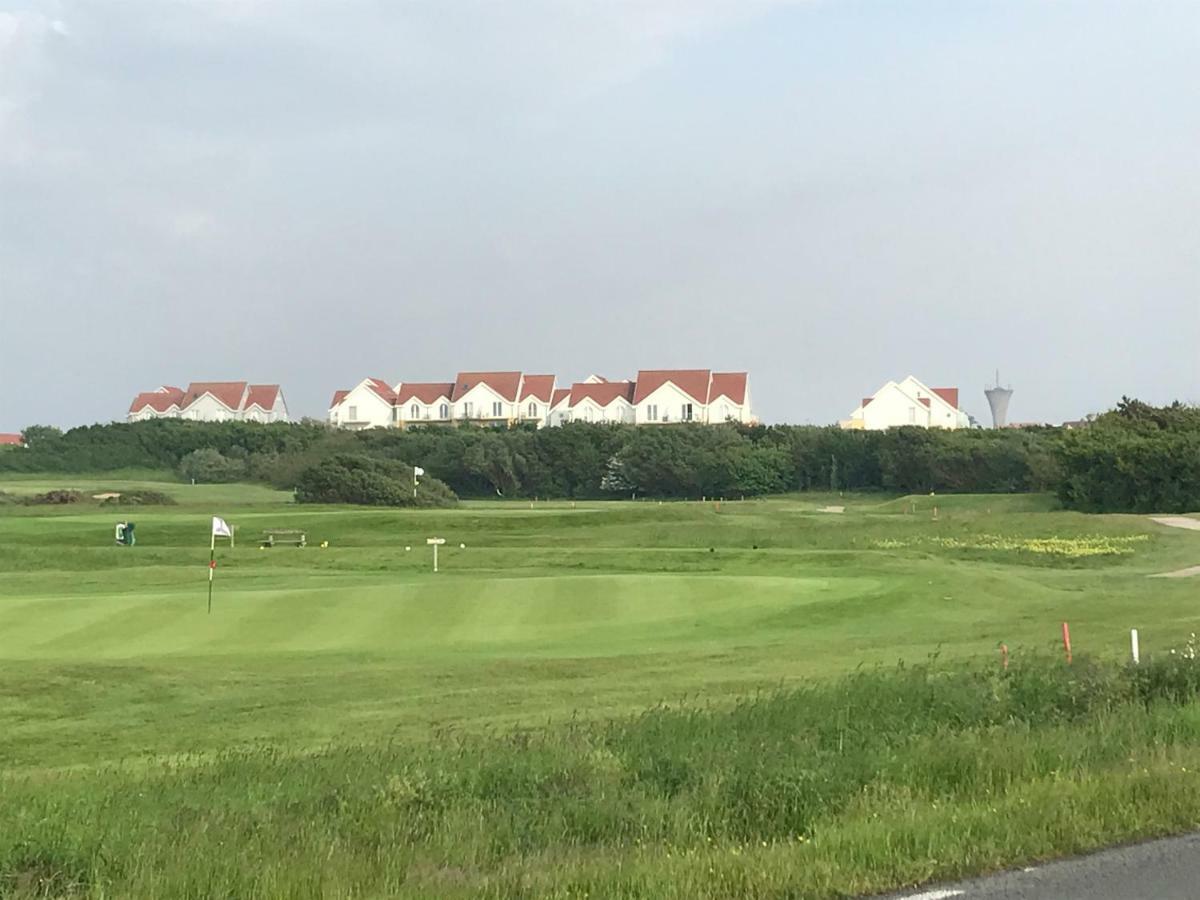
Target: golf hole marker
<point x="435" y="543"/>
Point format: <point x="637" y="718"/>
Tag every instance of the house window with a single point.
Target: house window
<point x="468" y="409"/>
<point x="533" y="410"/>
<point x="912" y="415"/>
<point x="444" y="411"/>
<point x="415" y="411"/>
<point x="685" y="413"/>
<point x="497" y="409"/>
<point x="652" y="412"/>
<point x="354" y="414"/>
<point x="587" y="415"/>
<point x="395" y="414"/>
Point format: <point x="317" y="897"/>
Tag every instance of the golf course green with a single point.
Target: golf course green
<point x="544" y="617"/>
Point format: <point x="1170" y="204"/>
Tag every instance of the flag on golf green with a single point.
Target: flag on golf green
<point x="221" y="528"/>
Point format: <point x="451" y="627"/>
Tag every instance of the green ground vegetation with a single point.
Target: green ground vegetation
<point x="634" y="699"/>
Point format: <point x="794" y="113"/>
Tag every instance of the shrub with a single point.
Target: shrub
<point x="54" y="498"/>
<point x="140" y="498"/>
<point x="364" y="480"/>
<point x="209" y="466"/>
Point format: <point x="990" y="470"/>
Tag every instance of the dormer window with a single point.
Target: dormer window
<point x="415" y="411"/>
<point x="533" y="410"/>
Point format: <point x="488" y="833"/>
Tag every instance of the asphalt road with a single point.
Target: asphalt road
<point x="1168" y="869"/>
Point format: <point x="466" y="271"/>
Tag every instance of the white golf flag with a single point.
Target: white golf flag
<point x="417" y="470"/>
<point x="221" y="528"/>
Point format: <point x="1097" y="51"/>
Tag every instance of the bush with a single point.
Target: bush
<point x="1136" y="458"/>
<point x="209" y="466"/>
<point x="140" y="498"/>
<point x="54" y="498"/>
<point x="366" y="481"/>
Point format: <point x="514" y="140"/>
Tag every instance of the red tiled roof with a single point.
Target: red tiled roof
<point x="382" y="388"/>
<point x="540" y="387"/>
<point x="11" y="440"/>
<point x="227" y="392"/>
<point x="503" y="383"/>
<point x="950" y="395"/>
<point x="729" y="384"/>
<point x="560" y="394"/>
<point x="924" y="400"/>
<point x="693" y="382"/>
<point x="602" y="393"/>
<point x="159" y="401"/>
<point x="866" y="400"/>
<point x="338" y="397"/>
<point x="427" y="392"/>
<point x="262" y="395"/>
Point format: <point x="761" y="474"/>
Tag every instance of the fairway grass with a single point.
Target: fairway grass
<point x="343" y="672"/>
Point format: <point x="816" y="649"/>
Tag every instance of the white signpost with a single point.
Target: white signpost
<point x="435" y="543"/>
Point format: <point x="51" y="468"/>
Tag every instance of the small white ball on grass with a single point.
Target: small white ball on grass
<point x="462" y="546"/>
<point x="406" y="549"/>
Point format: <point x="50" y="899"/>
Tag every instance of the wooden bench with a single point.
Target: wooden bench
<point x="274" y="536"/>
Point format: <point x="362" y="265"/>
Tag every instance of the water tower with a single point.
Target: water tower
<point x="998" y="398"/>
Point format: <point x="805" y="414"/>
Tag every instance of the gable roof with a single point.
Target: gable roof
<point x="262" y="395"/>
<point x="159" y="401"/>
<point x="540" y="387"/>
<point x="560" y="394"/>
<point x="11" y="440"/>
<point x="602" y="393"/>
<point x="728" y="384"/>
<point x="381" y="389"/>
<point x="506" y="384"/>
<point x="227" y="393"/>
<point x="950" y="395"/>
<point x="427" y="392"/>
<point x="338" y="397"/>
<point x="693" y="382"/>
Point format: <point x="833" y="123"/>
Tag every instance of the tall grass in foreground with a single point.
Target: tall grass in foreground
<point x="880" y="779"/>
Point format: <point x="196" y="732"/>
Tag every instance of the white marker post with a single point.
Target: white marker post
<point x="1133" y="646"/>
<point x="435" y="542"/>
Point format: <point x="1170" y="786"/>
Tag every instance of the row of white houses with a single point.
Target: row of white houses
<point x="211" y="401"/>
<point x="656" y="396"/>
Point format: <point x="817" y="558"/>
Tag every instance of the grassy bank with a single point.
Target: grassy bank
<point x="868" y="782"/>
<point x="345" y="722"/>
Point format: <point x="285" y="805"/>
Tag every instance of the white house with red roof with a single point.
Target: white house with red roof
<point x="663" y="396"/>
<point x="424" y="402"/>
<point x="211" y="401"/>
<point x="560" y="406"/>
<point x="657" y="396"/>
<point x="601" y="401"/>
<point x="908" y="402"/>
<point x="369" y="404"/>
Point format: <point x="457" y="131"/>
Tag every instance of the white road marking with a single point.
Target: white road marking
<point x="934" y="895"/>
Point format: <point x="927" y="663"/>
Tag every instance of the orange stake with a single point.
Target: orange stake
<point x="1067" y="641"/>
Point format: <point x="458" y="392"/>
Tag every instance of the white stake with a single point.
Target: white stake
<point x="436" y="542"/>
<point x="1133" y="646"/>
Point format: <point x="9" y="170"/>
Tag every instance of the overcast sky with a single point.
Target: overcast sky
<point x="828" y="194"/>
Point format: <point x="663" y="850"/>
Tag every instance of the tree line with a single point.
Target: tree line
<point x="1134" y="458"/>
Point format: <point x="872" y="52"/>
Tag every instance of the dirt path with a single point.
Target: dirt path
<point x="1178" y="522"/>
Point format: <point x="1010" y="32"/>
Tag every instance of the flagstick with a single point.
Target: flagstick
<point x="212" y="564"/>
